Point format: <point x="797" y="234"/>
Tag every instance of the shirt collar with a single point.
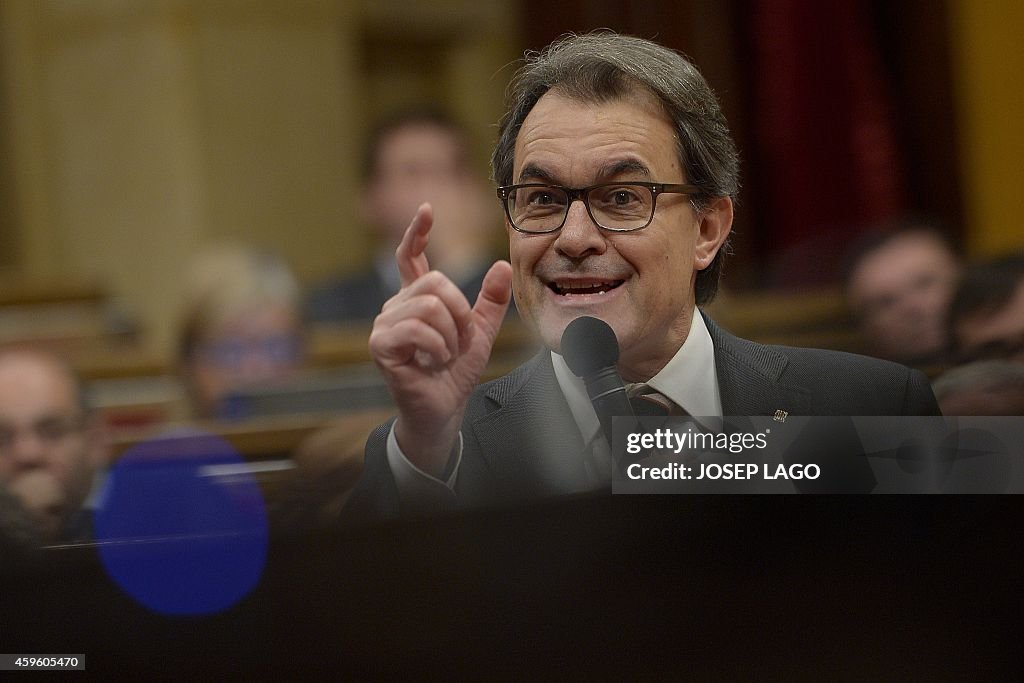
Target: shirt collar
<point x="688" y="379"/>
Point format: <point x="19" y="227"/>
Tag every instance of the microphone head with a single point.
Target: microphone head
<point x="589" y="345"/>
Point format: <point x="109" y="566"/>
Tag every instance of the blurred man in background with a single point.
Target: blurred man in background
<point x="986" y="318"/>
<point x="52" y="447"/>
<point x="898" y="286"/>
<point x="416" y="156"/>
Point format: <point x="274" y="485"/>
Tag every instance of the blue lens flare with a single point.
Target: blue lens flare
<point x="183" y="525"/>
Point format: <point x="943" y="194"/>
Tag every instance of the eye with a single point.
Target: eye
<point x="621" y="199"/>
<point x="54" y="429"/>
<point x="541" y="196"/>
<point x="623" y="196"/>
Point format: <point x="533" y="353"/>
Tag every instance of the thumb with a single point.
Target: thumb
<point x="495" y="295"/>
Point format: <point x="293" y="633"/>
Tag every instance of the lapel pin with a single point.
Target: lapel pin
<point x="780" y="415"/>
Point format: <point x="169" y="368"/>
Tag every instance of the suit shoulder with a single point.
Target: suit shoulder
<point x="840" y="360"/>
<point x="818" y="381"/>
<point x="773" y="361"/>
<point x="864" y="384"/>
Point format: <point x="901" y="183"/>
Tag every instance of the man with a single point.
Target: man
<point x="416" y="155"/>
<point x="898" y="285"/>
<point x="639" y="125"/>
<point x="986" y="318"/>
<point x="51" y="446"/>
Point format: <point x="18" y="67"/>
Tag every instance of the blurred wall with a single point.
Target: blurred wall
<point x="136" y="131"/>
<point x="989" y="79"/>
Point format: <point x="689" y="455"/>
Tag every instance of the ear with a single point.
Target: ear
<point x="715" y="223"/>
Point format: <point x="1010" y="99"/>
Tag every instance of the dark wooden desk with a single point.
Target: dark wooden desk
<point x="610" y="588"/>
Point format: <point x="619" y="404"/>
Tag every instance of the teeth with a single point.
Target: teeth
<point x="581" y="288"/>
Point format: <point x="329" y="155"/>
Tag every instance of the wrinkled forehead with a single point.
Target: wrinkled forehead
<point x="570" y="131"/>
<point x="558" y="98"/>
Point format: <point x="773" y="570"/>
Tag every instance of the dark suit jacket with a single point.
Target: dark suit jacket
<point x="359" y="298"/>
<point x="521" y="442"/>
<point x="352" y="299"/>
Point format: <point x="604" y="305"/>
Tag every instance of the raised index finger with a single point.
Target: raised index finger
<point x="412" y="262"/>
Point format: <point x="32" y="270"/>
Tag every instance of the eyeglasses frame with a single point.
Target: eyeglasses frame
<point x="582" y="193"/>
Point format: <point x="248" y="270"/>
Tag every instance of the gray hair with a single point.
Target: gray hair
<point x="604" y="66"/>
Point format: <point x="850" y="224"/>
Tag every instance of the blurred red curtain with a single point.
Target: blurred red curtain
<point x="824" y="133"/>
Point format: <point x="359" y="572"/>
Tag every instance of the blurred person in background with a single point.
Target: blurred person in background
<point x="243" y="331"/>
<point x="898" y="285"/>
<point x="990" y="387"/>
<point x="415" y="156"/>
<point x="53" y="448"/>
<point x="241" y="326"/>
<point x="986" y="317"/>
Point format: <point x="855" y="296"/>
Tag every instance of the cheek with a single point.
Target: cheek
<point x="65" y="462"/>
<point x="523" y="256"/>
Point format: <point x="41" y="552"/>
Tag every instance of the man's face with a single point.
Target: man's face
<point x="902" y="292"/>
<point x="999" y="333"/>
<point x="415" y="164"/>
<point x="48" y="453"/>
<point x="259" y="347"/>
<point x="646" y="277"/>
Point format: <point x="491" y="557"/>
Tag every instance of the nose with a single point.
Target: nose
<point x="28" y="450"/>
<point x="580" y="237"/>
<point x="911" y="305"/>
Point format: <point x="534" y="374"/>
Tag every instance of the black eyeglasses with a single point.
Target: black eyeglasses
<point x="537" y="208"/>
<point x="50" y="430"/>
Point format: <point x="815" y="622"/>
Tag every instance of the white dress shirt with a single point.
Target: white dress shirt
<point x="688" y="379"/>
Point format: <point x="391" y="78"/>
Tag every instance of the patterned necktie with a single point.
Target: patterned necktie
<point x="646" y="401"/>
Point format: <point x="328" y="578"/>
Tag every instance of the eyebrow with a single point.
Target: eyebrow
<point x="625" y="166"/>
<point x="533" y="172"/>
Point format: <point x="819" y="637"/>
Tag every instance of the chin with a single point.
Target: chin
<point x="550" y="333"/>
<point x="553" y="325"/>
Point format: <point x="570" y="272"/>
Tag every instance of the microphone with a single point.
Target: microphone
<point x="591" y="351"/>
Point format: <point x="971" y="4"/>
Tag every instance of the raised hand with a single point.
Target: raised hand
<point x="432" y="347"/>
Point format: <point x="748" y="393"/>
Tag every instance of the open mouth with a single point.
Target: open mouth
<point x="581" y="288"/>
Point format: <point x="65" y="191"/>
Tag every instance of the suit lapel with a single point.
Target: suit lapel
<point x="749" y="376"/>
<point x="531" y="443"/>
